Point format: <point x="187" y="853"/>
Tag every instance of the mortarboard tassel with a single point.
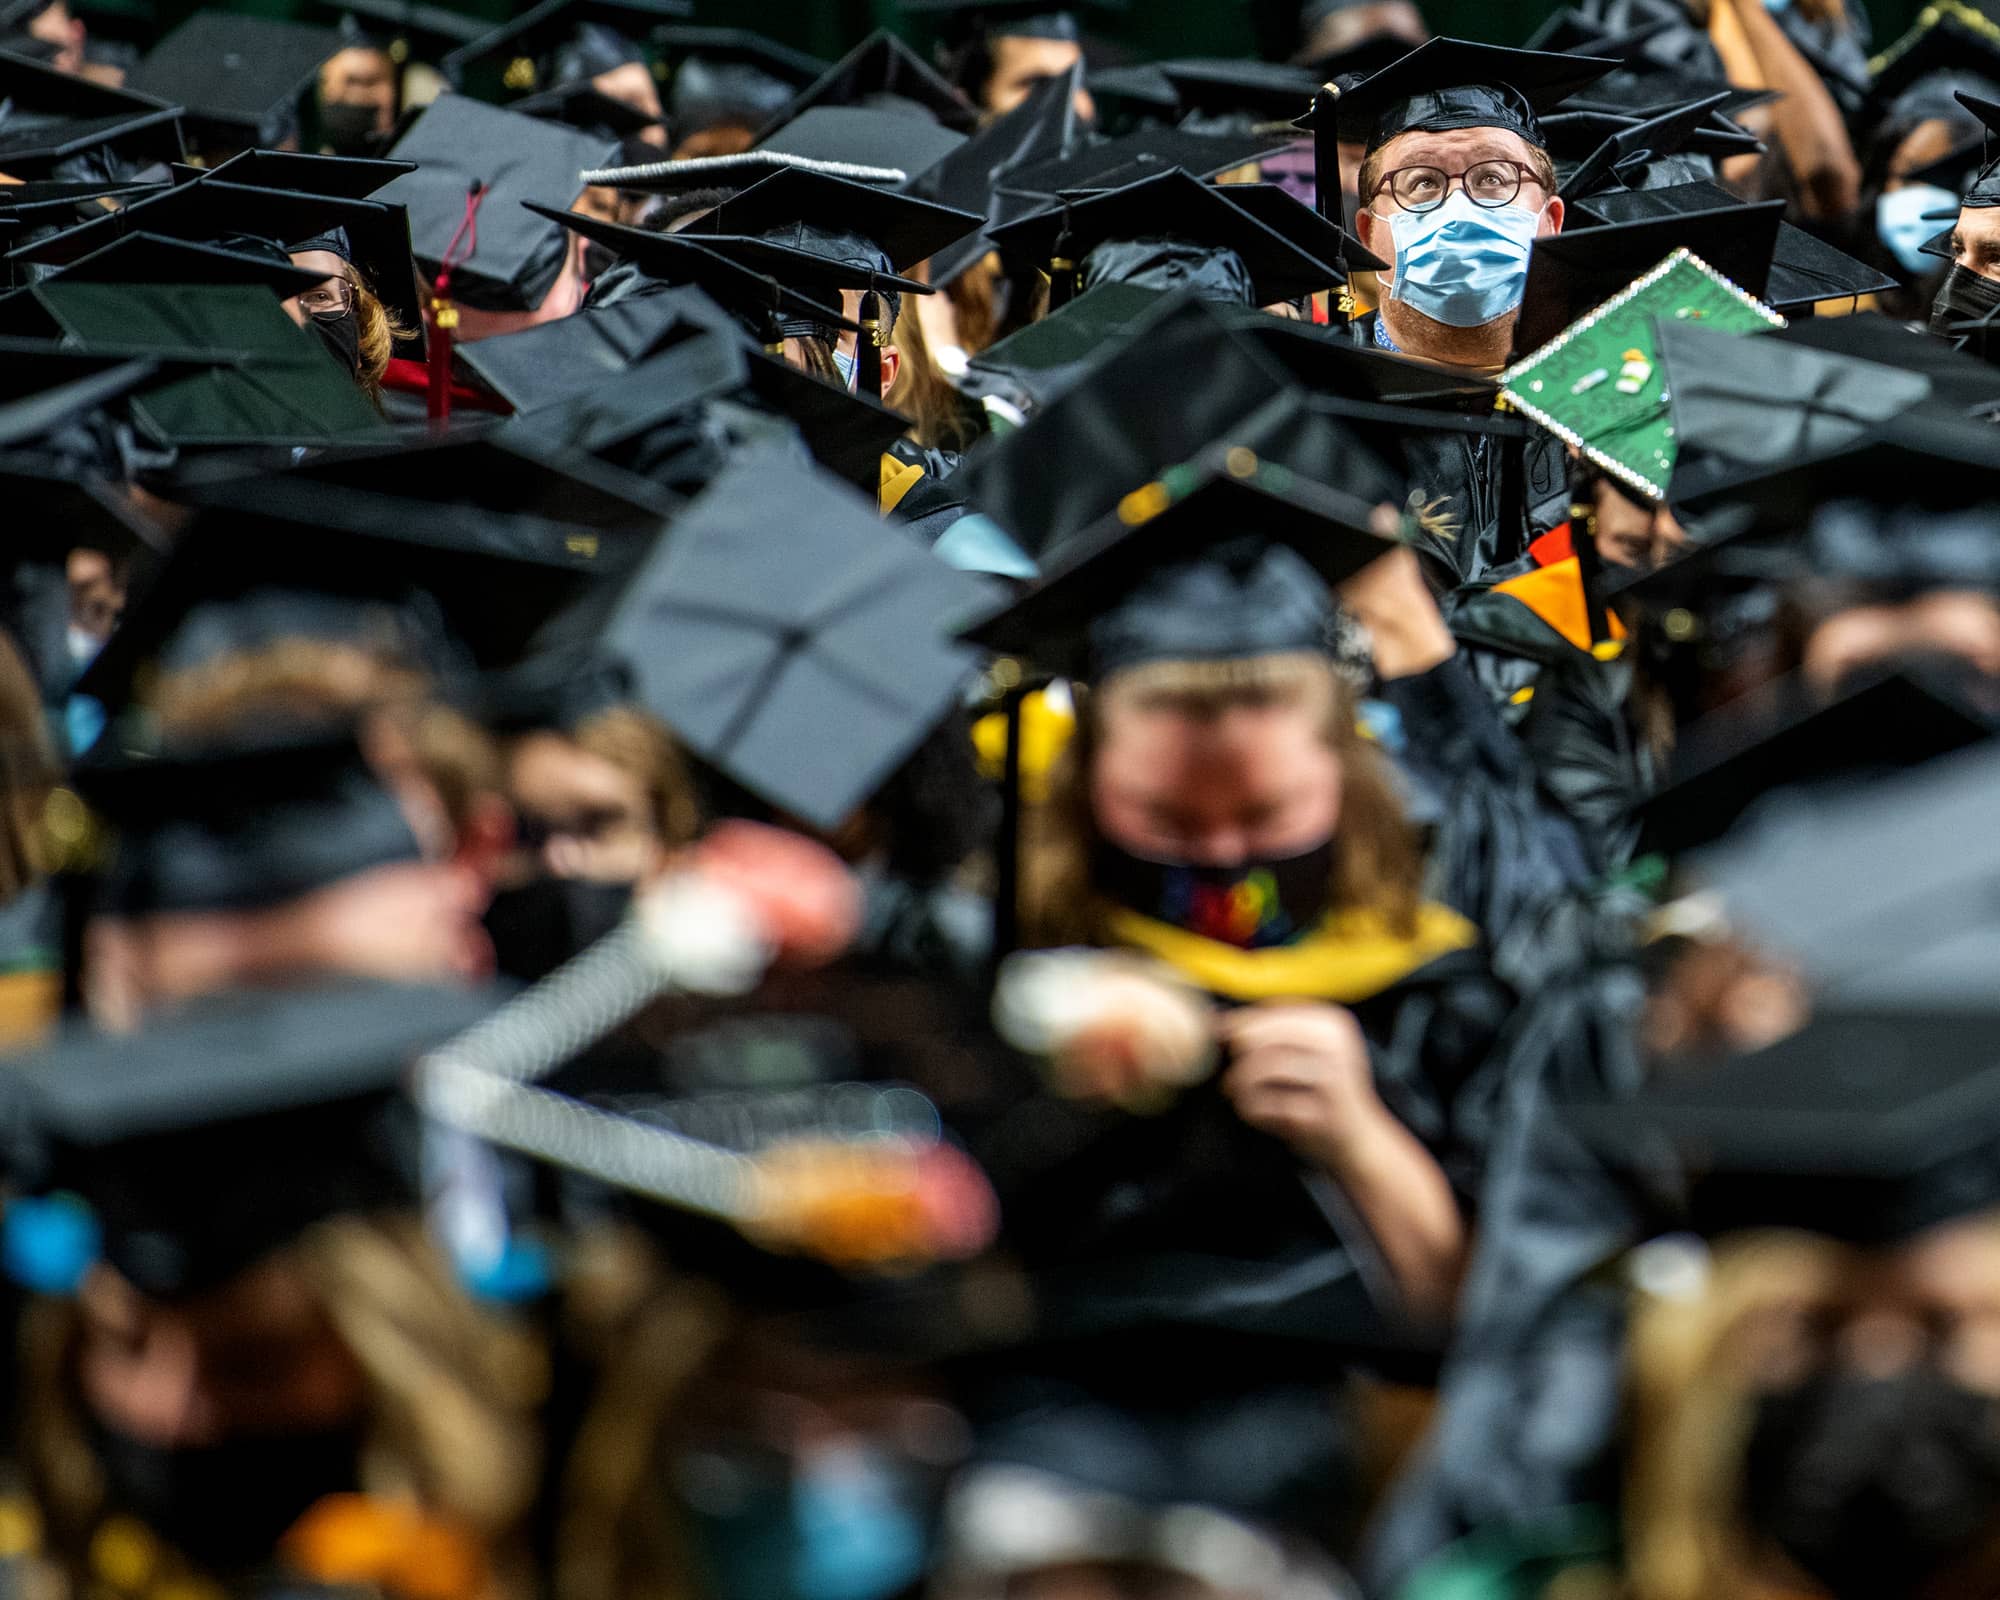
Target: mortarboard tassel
<point x="1062" y="265"/>
<point x="443" y="313"/>
<point x="1326" y="186"/>
<point x="869" y="343"/>
<point x="1589" y="565"/>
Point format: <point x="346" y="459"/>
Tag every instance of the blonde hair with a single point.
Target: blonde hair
<point x="1692" y="1395"/>
<point x="378" y="330"/>
<point x="31" y="769"/>
<point x="638" y="744"/>
<point x="938" y="416"/>
<point x="451" y="1395"/>
<point x="1376" y="862"/>
<point x="333" y="679"/>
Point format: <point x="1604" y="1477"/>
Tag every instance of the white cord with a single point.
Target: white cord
<point x="704" y="166"/>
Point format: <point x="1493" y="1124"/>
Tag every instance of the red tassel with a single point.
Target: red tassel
<point x="443" y="313"/>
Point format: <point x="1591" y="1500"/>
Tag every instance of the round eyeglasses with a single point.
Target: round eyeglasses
<point x="333" y="298"/>
<point x="1486" y="183"/>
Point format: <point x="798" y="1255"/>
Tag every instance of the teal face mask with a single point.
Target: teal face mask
<point x="1899" y="222"/>
<point x="1462" y="264"/>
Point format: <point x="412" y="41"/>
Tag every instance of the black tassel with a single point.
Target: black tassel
<point x="868" y="345"/>
<point x="1062" y="266"/>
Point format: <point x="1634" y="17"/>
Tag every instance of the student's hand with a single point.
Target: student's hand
<point x="1301" y="1072"/>
<point x="1391" y="600"/>
<point x="804" y="900"/>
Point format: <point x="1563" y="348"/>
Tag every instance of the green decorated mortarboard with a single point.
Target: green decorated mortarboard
<point x="1598" y="384"/>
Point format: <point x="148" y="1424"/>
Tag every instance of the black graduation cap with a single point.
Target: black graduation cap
<point x="732" y="270"/>
<point x="404" y="30"/>
<point x="1269" y="91"/>
<point x="564" y="41"/>
<point x="1285" y="213"/>
<point x="53" y="119"/>
<point x="589" y="110"/>
<point x="864" y="136"/>
<point x="1603" y="150"/>
<point x="240" y="78"/>
<point x="157" y="259"/>
<point x="228" y="1128"/>
<point x="1804" y="268"/>
<point x="1957" y="380"/>
<point x="1031" y="367"/>
<point x="729" y="75"/>
<point x="1572" y="272"/>
<point x="1880" y="890"/>
<point x="1176" y="205"/>
<point x="59" y="508"/>
<point x="1784" y="734"/>
<point x="999" y="19"/>
<point x="1779" y="428"/>
<point x="1451" y="83"/>
<point x="1232" y="561"/>
<point x="1942" y="45"/>
<point x="790" y="205"/>
<point x="1985" y="190"/>
<point x="462" y="581"/>
<point x="881" y="72"/>
<point x="45" y="386"/>
<point x="1869" y="1124"/>
<point x="337" y="177"/>
<point x="1106" y="433"/>
<point x="249" y="822"/>
<point x="373" y="234"/>
<point x="1113" y="163"/>
<point x="51" y="203"/>
<point x="476" y="165"/>
<point x="261" y="380"/>
<point x="793" y="639"/>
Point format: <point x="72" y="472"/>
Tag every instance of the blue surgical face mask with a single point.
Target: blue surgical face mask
<point x="1463" y="264"/>
<point x="1899" y="221"/>
<point x="845" y="362"/>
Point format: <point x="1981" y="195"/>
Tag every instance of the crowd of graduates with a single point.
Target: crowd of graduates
<point x="998" y="823"/>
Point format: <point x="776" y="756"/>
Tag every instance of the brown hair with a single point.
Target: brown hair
<point x="1371" y="172"/>
<point x="1376" y="862"/>
<point x="639" y="744"/>
<point x="29" y="763"/>
<point x="379" y="331"/>
<point x="938" y="416"/>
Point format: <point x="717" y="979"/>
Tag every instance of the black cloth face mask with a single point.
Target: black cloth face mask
<point x="1876" y="1486"/>
<point x="225" y="1506"/>
<point x="342" y="337"/>
<point x="1967" y="297"/>
<point x="1257" y="903"/>
<point x="350" y="128"/>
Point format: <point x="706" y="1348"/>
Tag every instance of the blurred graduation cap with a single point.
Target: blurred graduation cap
<point x="1784" y="734"/>
<point x="1233" y="559"/>
<point x="1804" y="268"/>
<point x="1881" y="890"/>
<point x="1941" y="47"/>
<point x="1773" y="426"/>
<point x="241" y="78"/>
<point x="59" y="508"/>
<point x="404" y="30"/>
<point x="1957" y="381"/>
<point x="1104" y="435"/>
<point x="260" y="379"/>
<point x="455" y="585"/>
<point x="864" y="136"/>
<point x="1599" y="151"/>
<point x="962" y="21"/>
<point x="251" y="822"/>
<point x="718" y="75"/>
<point x="1870" y="1124"/>
<point x="53" y="120"/>
<point x="590" y="110"/>
<point x="1263" y="91"/>
<point x="475" y="166"/>
<point x="564" y="41"/>
<point x="373" y="235"/>
<point x="793" y="639"/>
<point x="1177" y="206"/>
<point x="227" y="1129"/>
<point x="881" y="73"/>
<point x="1572" y="273"/>
<point x="337" y="177"/>
<point x="1955" y="170"/>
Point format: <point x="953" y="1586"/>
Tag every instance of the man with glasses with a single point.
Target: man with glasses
<point x="1456" y="184"/>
